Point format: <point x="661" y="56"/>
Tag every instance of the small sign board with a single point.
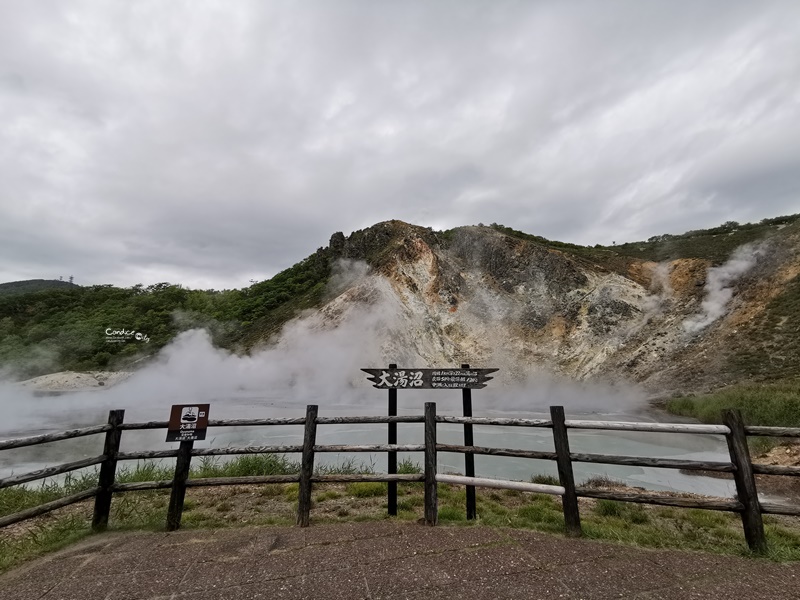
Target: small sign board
<point x="187" y="422"/>
<point x="429" y="379"/>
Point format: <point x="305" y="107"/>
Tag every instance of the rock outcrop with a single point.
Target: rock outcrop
<point x="477" y="295"/>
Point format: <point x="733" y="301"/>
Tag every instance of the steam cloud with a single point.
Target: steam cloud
<point x="719" y="290"/>
<point x="316" y="361"/>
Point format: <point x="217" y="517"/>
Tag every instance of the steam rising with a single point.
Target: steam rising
<point x="316" y="361"/>
<point x="719" y="290"/>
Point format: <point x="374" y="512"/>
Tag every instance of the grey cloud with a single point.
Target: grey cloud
<point x="212" y="142"/>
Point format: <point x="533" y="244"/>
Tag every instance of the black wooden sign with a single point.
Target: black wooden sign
<point x="187" y="422"/>
<point x="429" y="379"/>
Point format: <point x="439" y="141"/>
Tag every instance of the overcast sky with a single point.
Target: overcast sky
<point x="210" y="143"/>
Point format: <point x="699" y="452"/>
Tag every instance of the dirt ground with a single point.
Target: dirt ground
<point x="788" y="488"/>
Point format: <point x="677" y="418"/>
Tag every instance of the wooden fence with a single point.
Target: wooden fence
<point x="746" y="502"/>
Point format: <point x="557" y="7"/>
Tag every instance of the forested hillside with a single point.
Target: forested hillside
<point x="33" y="285"/>
<point x="65" y="327"/>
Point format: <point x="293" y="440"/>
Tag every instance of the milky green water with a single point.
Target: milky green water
<point x="65" y="412"/>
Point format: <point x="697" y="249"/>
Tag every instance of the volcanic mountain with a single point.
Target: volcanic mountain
<point x="491" y="296"/>
<point x="675" y="313"/>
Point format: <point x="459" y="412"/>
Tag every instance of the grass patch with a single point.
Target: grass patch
<point x="18" y="498"/>
<point x="347" y="467"/>
<point x="629" y="512"/>
<point x="410" y="503"/>
<point x="534" y="514"/>
<point x="248" y="465"/>
<point x="144" y="471"/>
<point x="327" y="495"/>
<point x="365" y="489"/>
<point x="450" y="514"/>
<point x="42" y="539"/>
<point x="769" y="404"/>
<point x="609" y="508"/>
<point x="291" y="492"/>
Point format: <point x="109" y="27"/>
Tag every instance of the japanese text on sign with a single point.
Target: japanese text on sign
<point x="187" y="422"/>
<point x="429" y="378"/>
<point x="400" y="379"/>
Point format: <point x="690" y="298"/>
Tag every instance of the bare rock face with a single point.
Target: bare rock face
<point x="479" y="296"/>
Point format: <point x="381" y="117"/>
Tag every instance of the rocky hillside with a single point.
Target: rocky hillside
<point x="487" y="296"/>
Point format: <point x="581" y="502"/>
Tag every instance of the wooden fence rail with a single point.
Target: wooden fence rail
<point x="50" y="471"/>
<point x="52" y="437"/>
<point x="746" y="502"/>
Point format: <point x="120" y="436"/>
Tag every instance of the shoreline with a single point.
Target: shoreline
<point x="69" y="382"/>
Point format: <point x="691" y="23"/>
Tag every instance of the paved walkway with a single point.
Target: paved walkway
<point x="385" y="560"/>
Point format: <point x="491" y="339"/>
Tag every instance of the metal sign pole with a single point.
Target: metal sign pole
<point x="469" y="458"/>
<point x="392" y="467"/>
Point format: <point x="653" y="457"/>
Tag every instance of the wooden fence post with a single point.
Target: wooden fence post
<point x="391" y="489"/>
<point x="307" y="466"/>
<point x="745" y="481"/>
<point x="569" y="501"/>
<point x="182" y="466"/>
<point x="108" y="470"/>
<point x="469" y="457"/>
<point x="431" y="501"/>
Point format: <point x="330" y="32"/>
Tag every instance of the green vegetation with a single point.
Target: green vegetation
<point x="65" y="328"/>
<point x="635" y="513"/>
<point x="244" y="466"/>
<point x="715" y="244"/>
<point x="540" y="240"/>
<point x="265" y="307"/>
<point x="32" y="285"/>
<point x="42" y="539"/>
<point x="327" y="495"/>
<point x="17" y="498"/>
<point x="639" y="525"/>
<point x="365" y="489"/>
<point x="408" y="467"/>
<point x="775" y="404"/>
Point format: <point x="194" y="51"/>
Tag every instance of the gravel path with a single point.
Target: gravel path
<point x="385" y="560"/>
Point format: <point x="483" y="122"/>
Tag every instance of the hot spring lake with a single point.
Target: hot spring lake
<point x="69" y="411"/>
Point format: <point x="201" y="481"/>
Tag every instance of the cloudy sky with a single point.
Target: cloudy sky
<point x="212" y="142"/>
